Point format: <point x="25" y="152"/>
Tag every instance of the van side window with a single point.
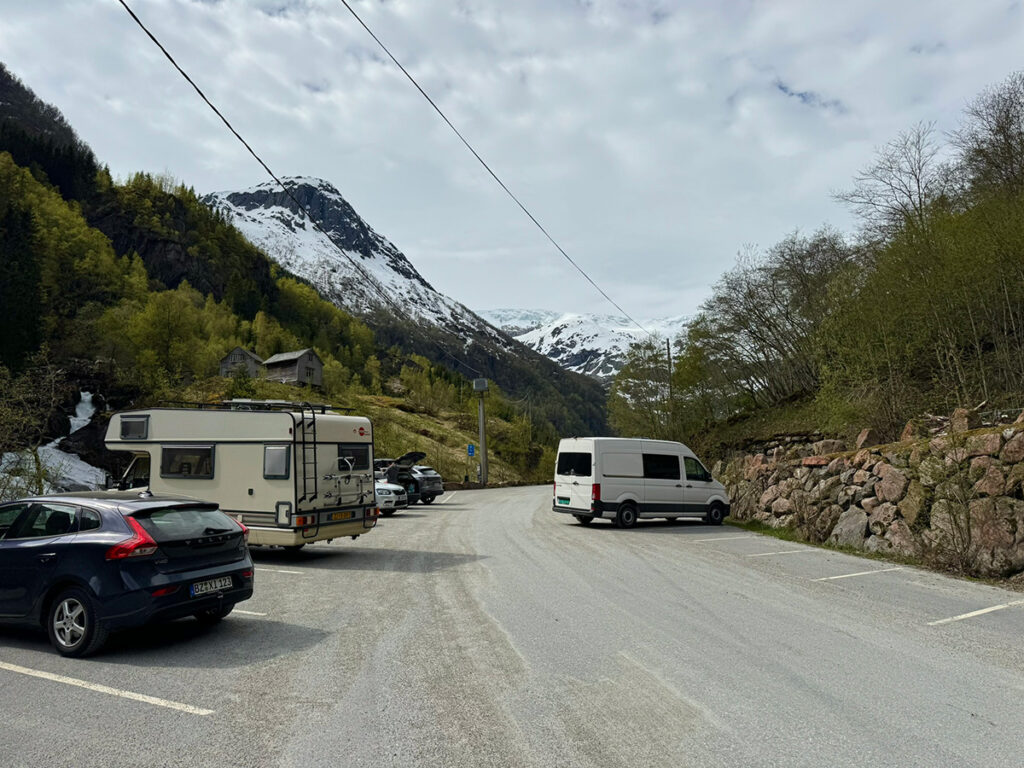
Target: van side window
<point x="695" y="470"/>
<point x="355" y="454"/>
<point x="191" y="461"/>
<point x="661" y="466"/>
<point x="134" y="427"/>
<point x="276" y="465"/>
<point x="574" y="464"/>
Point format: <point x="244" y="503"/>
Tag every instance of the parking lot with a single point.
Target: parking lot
<point x="486" y="629"/>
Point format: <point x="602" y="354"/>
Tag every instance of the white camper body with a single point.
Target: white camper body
<point x="293" y="473"/>
<point x="626" y="479"/>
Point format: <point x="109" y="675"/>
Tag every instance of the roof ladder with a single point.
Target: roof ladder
<point x="307" y="446"/>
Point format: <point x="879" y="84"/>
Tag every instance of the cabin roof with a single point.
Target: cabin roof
<point x="252" y="355"/>
<point x="287" y="357"/>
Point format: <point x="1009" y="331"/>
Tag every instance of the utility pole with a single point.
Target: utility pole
<point x="480" y="386"/>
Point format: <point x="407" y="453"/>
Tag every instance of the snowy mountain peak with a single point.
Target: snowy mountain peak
<point x="591" y="344"/>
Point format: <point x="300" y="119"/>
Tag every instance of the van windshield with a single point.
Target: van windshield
<point x="574" y="464"/>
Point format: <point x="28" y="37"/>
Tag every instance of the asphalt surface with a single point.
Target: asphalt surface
<point x="486" y="630"/>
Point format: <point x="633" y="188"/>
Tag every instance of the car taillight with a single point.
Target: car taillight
<point x="245" y="531"/>
<point x="595" y="492"/>
<point x="139" y="545"/>
<point x="163" y="591"/>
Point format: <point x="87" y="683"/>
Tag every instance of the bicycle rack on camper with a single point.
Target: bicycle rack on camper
<point x="294" y="473"/>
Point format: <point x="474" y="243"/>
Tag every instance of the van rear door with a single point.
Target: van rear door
<point x="574" y="478"/>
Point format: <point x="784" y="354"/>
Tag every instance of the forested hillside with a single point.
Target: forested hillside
<point x="141" y="289"/>
<point x="923" y="311"/>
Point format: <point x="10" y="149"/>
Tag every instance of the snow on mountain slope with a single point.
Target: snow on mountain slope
<point x="270" y="219"/>
<point x="591" y="344"/>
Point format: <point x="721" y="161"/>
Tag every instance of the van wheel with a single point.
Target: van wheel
<point x="584" y="519"/>
<point x="72" y="624"/>
<point x="626" y="517"/>
<point x="716" y="514"/>
<point x="427" y="499"/>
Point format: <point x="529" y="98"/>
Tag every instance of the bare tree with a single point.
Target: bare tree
<point x="900" y="186"/>
<point x="991" y="138"/>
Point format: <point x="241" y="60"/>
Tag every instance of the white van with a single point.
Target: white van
<point x="293" y="473"/>
<point x="626" y="479"/>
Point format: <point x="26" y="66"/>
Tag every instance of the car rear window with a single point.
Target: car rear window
<point x="574" y="464"/>
<point x="176" y="523"/>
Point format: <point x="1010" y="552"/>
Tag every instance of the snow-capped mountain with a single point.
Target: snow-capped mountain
<point x="595" y="345"/>
<point x="357" y="280"/>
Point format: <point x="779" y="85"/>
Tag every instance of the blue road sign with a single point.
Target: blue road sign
<point x="471" y="450"/>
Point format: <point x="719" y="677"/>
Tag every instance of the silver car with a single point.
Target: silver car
<point x="390" y="497"/>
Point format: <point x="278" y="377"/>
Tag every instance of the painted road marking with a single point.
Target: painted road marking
<point x="784" y="552"/>
<point x="449" y="497"/>
<point x="279" y="570"/>
<point x="106" y="689"/>
<point x="248" y="613"/>
<point x="723" y="538"/>
<point x="972" y="614"/>
<point x="859" y="573"/>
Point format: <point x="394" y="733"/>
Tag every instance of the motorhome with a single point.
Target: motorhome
<point x="627" y="479"/>
<point x="293" y="473"/>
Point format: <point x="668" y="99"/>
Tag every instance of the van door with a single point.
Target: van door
<point x="698" y="486"/>
<point x="663" y="485"/>
<point x="574" y="479"/>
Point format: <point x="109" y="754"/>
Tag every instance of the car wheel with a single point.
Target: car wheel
<point x="72" y="623"/>
<point x="388" y="512"/>
<point x="584" y="519"/>
<point x="626" y="517"/>
<point x="428" y="499"/>
<point x="214" y="615"/>
<point x="716" y="514"/>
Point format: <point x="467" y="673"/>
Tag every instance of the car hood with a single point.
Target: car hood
<point x="390" y="487"/>
<point x="406" y="461"/>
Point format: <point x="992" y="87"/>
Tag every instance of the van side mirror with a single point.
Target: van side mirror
<point x="108" y="481"/>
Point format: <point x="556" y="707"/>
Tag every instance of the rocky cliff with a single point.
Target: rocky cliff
<point x="955" y="500"/>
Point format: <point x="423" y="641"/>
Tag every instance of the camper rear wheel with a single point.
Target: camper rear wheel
<point x="626" y="517"/>
<point x="584" y="519"/>
<point x="716" y="514"/>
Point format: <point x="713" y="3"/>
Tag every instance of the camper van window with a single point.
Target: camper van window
<point x="574" y="464"/>
<point x="359" y="454"/>
<point x="192" y="461"/>
<point x="695" y="470"/>
<point x="275" y="462"/>
<point x="134" y="427"/>
<point x="661" y="466"/>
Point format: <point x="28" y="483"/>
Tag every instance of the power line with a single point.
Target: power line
<point x="373" y="282"/>
<point x="488" y="168"/>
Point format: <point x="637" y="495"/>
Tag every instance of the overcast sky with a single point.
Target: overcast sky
<point x="653" y="138"/>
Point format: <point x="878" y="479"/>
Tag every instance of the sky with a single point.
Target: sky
<point x="654" y="139"/>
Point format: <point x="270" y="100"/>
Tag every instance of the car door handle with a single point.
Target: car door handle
<point x="679" y="485"/>
<point x="689" y="486"/>
<point x="574" y="482"/>
<point x="46" y="557"/>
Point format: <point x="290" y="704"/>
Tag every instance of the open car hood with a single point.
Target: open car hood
<point x="407" y="460"/>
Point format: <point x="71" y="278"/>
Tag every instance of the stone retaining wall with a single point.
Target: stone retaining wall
<point x="956" y="500"/>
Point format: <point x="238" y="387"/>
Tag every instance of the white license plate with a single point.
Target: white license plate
<point x="212" y="585"/>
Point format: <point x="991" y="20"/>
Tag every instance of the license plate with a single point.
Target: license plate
<point x="212" y="585"/>
<point x="341" y="515"/>
<point x="563" y="501"/>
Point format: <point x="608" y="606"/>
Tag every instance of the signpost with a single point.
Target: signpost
<point x="471" y="450"/>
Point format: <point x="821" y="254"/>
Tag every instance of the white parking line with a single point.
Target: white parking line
<point x="449" y="497"/>
<point x="784" y="552"/>
<point x="106" y="689"/>
<point x="972" y="614"/>
<point x="248" y="613"/>
<point x="859" y="573"/>
<point x="279" y="570"/>
<point x="723" y="538"/>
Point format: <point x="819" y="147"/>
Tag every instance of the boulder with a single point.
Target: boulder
<point x="877" y="543"/>
<point x="861" y="476"/>
<point x="815" y="461"/>
<point x="914" y="503"/>
<point x="861" y="458"/>
<point x="992" y="536"/>
<point x="963" y="420"/>
<point x="913" y="431"/>
<point x="781" y="507"/>
<point x="902" y="539"/>
<point x="823" y="447"/>
<point x="1019" y="419"/>
<point x="851" y="529"/>
<point x="932" y="471"/>
<point x="870" y="503"/>
<point x="837" y="465"/>
<point x="819" y="528"/>
<point x="1015" y="480"/>
<point x="983" y="445"/>
<point x="770" y="495"/>
<point x="992" y="483"/>
<point x="867" y="438"/>
<point x="893" y="483"/>
<point x="979" y="466"/>
<point x="1013" y="451"/>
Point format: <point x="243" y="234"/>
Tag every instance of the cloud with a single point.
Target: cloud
<point x="652" y="139"/>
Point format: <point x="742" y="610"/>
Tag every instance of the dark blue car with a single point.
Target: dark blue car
<point x="83" y="565"/>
